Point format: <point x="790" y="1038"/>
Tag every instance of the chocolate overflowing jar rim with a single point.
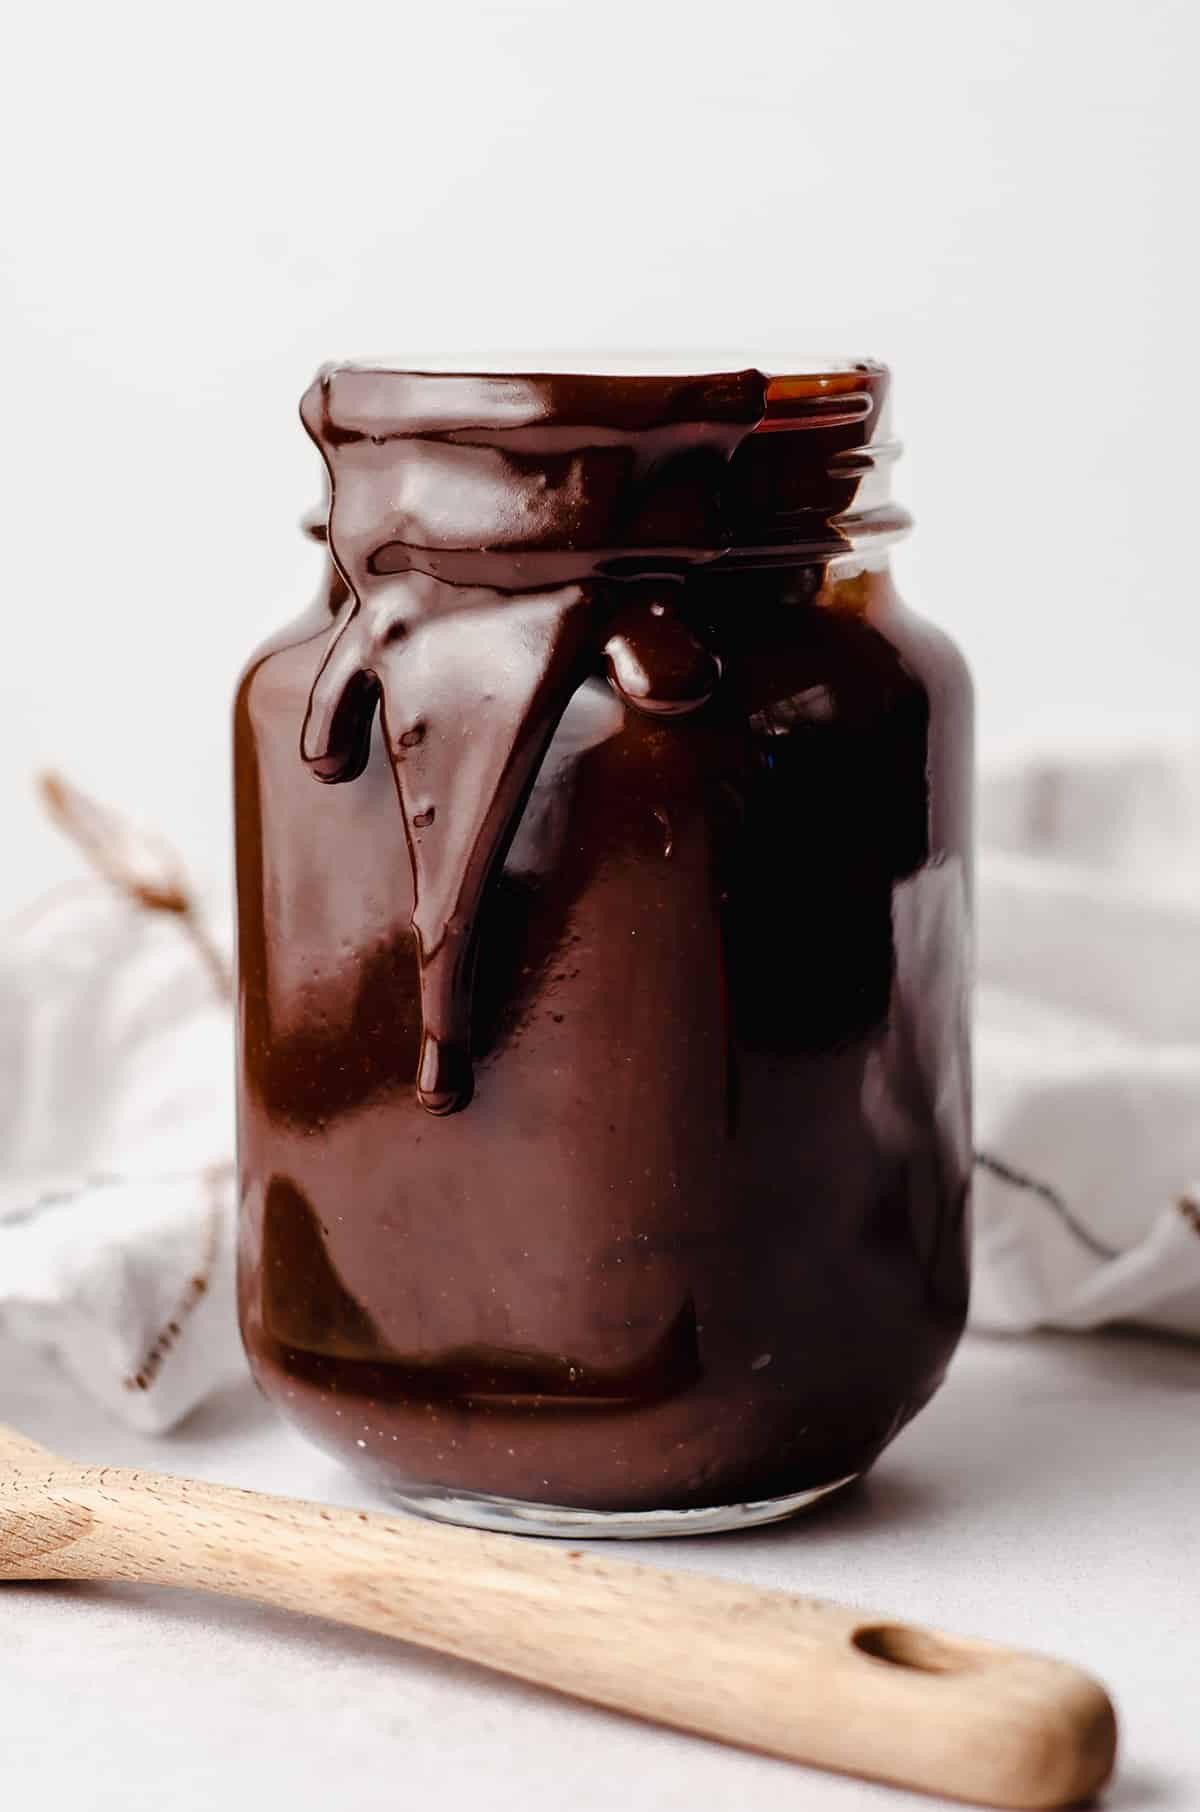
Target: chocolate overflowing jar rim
<point x="575" y="473"/>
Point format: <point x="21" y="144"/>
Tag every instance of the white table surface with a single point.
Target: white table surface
<point x="1049" y="1497"/>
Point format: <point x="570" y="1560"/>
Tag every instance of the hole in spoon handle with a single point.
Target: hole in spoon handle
<point x="901" y="1645"/>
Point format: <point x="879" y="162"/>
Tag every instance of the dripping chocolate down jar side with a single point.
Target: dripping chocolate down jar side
<point x="603" y="860"/>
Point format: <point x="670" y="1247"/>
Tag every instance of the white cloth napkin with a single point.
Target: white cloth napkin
<point x="116" y="1139"/>
<point x="116" y="1123"/>
<point x="1087" y="1048"/>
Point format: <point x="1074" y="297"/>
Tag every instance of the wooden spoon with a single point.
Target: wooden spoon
<point x="797" y="1677"/>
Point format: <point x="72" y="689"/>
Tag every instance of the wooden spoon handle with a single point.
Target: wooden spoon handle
<point x="798" y="1677"/>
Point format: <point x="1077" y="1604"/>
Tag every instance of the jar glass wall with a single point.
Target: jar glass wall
<point x="604" y="1082"/>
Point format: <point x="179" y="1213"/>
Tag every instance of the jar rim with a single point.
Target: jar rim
<point x="375" y="397"/>
<point x="576" y="472"/>
<point x="631" y="362"/>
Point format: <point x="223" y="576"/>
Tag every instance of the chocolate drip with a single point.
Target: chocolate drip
<point x="574" y="490"/>
<point x="472" y="684"/>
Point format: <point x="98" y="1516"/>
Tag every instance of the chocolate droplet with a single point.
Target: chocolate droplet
<point x="445" y="1081"/>
<point x="656" y="663"/>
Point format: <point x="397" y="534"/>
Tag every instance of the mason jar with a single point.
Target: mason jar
<point x="603" y="849"/>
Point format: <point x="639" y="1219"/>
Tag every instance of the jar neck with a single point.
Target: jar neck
<point x="813" y="482"/>
<point x="529" y="481"/>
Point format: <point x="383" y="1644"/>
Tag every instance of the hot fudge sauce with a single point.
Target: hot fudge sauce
<point x="603" y="840"/>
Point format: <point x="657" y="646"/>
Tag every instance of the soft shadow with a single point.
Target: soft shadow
<point x="1121" y="1355"/>
<point x="1135" y="1788"/>
<point x="891" y="1495"/>
<point x="980" y="1418"/>
<point x="239" y="1405"/>
<point x="263" y="1629"/>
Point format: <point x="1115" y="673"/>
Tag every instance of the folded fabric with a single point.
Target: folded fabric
<point x="1087" y="1049"/>
<point x="116" y="1119"/>
<point x="116" y="1141"/>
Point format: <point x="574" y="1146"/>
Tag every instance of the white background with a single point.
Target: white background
<point x="202" y="203"/>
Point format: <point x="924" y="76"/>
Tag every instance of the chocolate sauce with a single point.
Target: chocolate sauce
<point x="604" y="1092"/>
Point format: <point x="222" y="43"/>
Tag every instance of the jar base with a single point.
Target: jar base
<point x="513" y="1516"/>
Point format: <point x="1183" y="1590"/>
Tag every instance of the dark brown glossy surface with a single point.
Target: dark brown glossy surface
<point x="604" y="1096"/>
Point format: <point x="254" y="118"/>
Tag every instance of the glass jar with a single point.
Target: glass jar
<point x="603" y="875"/>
